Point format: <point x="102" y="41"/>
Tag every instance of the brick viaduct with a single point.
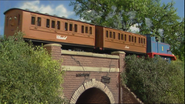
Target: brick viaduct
<point x="91" y="77"/>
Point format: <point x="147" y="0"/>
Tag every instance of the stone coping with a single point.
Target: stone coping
<point x="53" y="44"/>
<point x="85" y="68"/>
<point x="118" y="52"/>
<point x="89" y="54"/>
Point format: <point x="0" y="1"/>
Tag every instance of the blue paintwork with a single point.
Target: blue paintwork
<point x="158" y="47"/>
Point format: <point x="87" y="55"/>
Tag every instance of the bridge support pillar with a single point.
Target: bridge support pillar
<point x="121" y="64"/>
<point x="54" y="50"/>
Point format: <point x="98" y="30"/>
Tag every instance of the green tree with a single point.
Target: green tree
<point x="28" y="74"/>
<point x="150" y="16"/>
<point x="155" y="80"/>
<point x="119" y="14"/>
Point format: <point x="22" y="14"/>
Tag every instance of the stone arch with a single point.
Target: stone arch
<point x="91" y="84"/>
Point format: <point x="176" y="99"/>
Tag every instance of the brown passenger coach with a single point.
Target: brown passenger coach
<point x="49" y="28"/>
<point x="109" y="38"/>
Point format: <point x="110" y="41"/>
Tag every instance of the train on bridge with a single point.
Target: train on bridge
<point x="73" y="34"/>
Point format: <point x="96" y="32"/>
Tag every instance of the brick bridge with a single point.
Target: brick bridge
<point x="91" y="77"/>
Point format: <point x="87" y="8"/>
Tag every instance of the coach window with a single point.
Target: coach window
<point x="110" y="34"/>
<point x="70" y="27"/>
<point x="47" y="23"/>
<point x="66" y="26"/>
<point x="86" y="29"/>
<point x="139" y="40"/>
<point x="107" y="34"/>
<point x="33" y="20"/>
<point x="118" y="36"/>
<point x="76" y="28"/>
<point x="18" y="19"/>
<point x="144" y="41"/>
<point x="58" y="25"/>
<point x="53" y="24"/>
<point x="82" y="29"/>
<point x="7" y="21"/>
<point x="125" y="37"/>
<point x="38" y="21"/>
<point x="121" y="36"/>
<point x="129" y="38"/>
<point x="132" y="39"/>
<point x="90" y="30"/>
<point x="114" y="35"/>
<point x="135" y="39"/>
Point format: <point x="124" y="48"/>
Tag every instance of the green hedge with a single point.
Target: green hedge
<point x="28" y="74"/>
<point x="155" y="80"/>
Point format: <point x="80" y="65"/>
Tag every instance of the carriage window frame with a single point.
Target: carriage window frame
<point x="7" y="21"/>
<point x="107" y="34"/>
<point x="125" y="37"/>
<point x="19" y="17"/>
<point x="58" y="25"/>
<point x="76" y="27"/>
<point x="70" y="27"/>
<point x="129" y="38"/>
<point x="66" y="26"/>
<point x="86" y="29"/>
<point x="82" y="28"/>
<point x="39" y="21"/>
<point x="114" y="36"/>
<point x="119" y="35"/>
<point x="110" y="34"/>
<point x="53" y="24"/>
<point x="48" y="23"/>
<point x="90" y="29"/>
<point x="33" y="20"/>
<point x="135" y="39"/>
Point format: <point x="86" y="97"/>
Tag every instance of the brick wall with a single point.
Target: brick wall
<point x="89" y="61"/>
<point x="96" y="66"/>
<point x="72" y="83"/>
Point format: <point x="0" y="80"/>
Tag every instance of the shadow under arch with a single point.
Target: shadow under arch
<point x="93" y="95"/>
<point x="90" y="86"/>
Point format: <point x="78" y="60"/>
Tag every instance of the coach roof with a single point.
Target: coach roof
<point x="43" y="14"/>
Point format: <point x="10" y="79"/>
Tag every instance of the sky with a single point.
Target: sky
<point x="57" y="7"/>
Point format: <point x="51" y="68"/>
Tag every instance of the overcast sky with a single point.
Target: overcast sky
<point x="57" y="7"/>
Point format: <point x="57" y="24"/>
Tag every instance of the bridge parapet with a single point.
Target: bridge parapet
<point x="87" y="61"/>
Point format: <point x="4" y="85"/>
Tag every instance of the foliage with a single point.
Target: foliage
<point x="150" y="16"/>
<point x="176" y="39"/>
<point x="120" y="14"/>
<point x="155" y="80"/>
<point x="28" y="74"/>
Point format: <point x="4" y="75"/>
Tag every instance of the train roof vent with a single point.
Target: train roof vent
<point x="63" y="17"/>
<point x="27" y="9"/>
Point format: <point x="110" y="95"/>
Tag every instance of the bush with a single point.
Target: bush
<point x="155" y="80"/>
<point x="28" y="74"/>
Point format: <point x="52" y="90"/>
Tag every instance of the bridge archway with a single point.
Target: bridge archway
<point x="91" y="89"/>
<point x="93" y="95"/>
